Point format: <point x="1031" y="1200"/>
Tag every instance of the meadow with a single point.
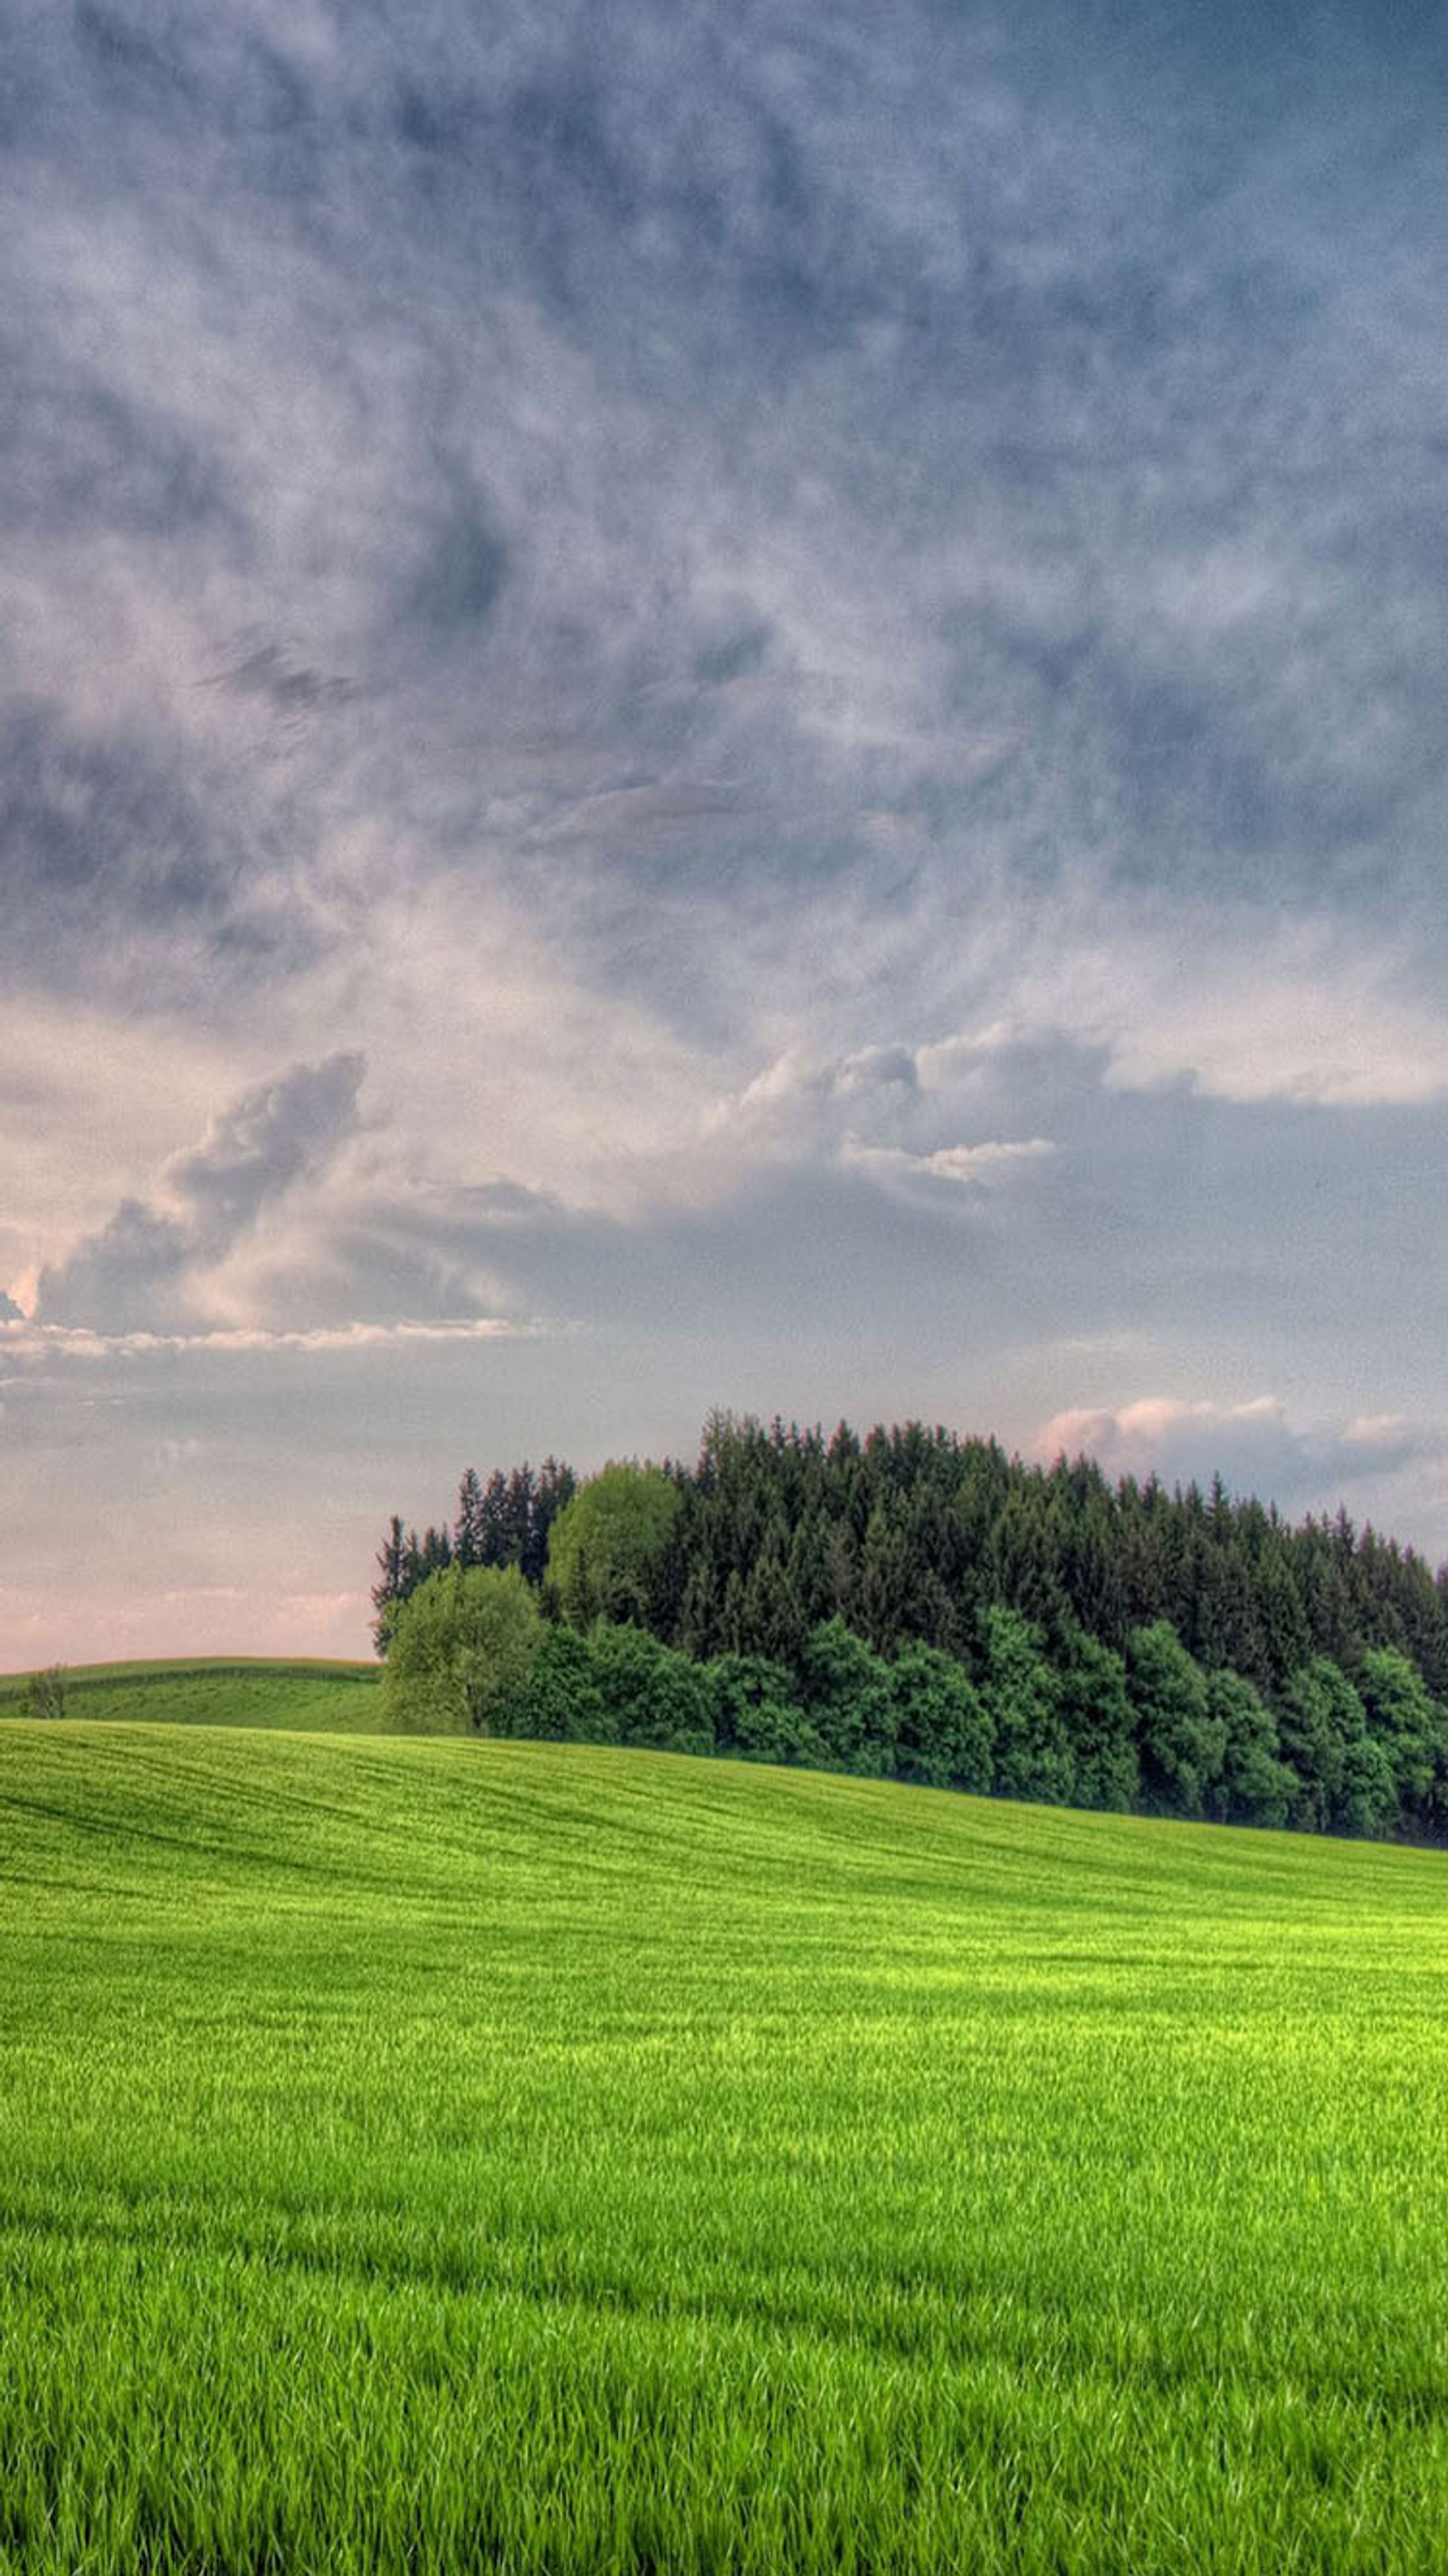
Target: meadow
<point x="419" y="2154"/>
<point x="324" y="1698"/>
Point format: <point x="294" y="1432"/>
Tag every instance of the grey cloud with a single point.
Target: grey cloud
<point x="128" y="870"/>
<point x="280" y="1133"/>
<point x="453" y="590"/>
<point x="78" y="455"/>
<point x="123" y="1278"/>
<point x="800" y="1258"/>
<point x="625" y="301"/>
<point x="289" y="687"/>
<point x="385" y="1272"/>
<point x="139" y="1270"/>
<point x="802" y="515"/>
<point x="88" y="818"/>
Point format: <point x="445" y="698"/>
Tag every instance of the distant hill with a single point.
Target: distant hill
<point x="321" y="1698"/>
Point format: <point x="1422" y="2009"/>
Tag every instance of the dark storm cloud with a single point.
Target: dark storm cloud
<point x="89" y="820"/>
<point x="75" y="455"/>
<point x="454" y="589"/>
<point x="1072" y="359"/>
<point x="289" y="688"/>
<point x="124" y="870"/>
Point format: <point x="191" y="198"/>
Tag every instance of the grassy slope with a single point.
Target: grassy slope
<point x="423" y="2154"/>
<point x="324" y="1698"/>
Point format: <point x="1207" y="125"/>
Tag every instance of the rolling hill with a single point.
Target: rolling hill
<point x="322" y="1698"/>
<point x="418" y="2153"/>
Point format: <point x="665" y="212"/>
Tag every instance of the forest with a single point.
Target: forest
<point x="918" y="1604"/>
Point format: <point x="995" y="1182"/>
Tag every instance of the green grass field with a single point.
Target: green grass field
<point x="422" y="2155"/>
<point x="325" y="1699"/>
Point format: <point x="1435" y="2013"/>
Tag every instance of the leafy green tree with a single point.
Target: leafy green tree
<point x="1401" y="1718"/>
<point x="1367" y="1798"/>
<point x="756" y="1715"/>
<point x="651" y="1693"/>
<point x="562" y="1702"/>
<point x="848" y="1700"/>
<point x="1096" y="1714"/>
<point x="942" y="1729"/>
<point x="1320" y="1715"/>
<point x="461" y="1653"/>
<point x="45" y="1692"/>
<point x="1023" y="1700"/>
<point x="1179" y="1745"/>
<point x="1254" y="1786"/>
<point x="607" y="1544"/>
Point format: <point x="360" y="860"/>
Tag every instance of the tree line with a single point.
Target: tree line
<point x="921" y="1605"/>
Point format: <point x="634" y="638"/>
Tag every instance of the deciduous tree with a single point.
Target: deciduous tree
<point x="462" y="1649"/>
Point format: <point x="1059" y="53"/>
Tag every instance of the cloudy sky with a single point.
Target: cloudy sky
<point x="708" y="706"/>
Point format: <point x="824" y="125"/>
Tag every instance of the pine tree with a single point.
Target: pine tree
<point x="468" y="1527"/>
<point x="390" y="1587"/>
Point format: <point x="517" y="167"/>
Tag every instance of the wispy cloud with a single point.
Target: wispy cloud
<point x="23" y="1340"/>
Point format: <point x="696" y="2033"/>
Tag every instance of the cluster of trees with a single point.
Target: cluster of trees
<point x="503" y="1522"/>
<point x="921" y="1606"/>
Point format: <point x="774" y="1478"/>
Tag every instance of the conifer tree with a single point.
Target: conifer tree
<point x="469" y="1530"/>
<point x="389" y="1588"/>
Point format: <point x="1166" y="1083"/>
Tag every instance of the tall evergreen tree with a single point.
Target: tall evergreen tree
<point x="469" y="1526"/>
<point x="388" y="1590"/>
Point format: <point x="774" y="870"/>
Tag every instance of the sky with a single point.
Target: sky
<point x="708" y="707"/>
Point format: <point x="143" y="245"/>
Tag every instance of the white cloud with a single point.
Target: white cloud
<point x="983" y="1166"/>
<point x="1253" y="1444"/>
<point x="1306" y="1007"/>
<point x="1307" y="1011"/>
